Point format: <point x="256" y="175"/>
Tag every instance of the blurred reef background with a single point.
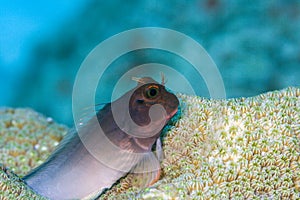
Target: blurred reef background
<point x="255" y="44"/>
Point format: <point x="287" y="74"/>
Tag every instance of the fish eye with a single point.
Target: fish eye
<point x="152" y="92"/>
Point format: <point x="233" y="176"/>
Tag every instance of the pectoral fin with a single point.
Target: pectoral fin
<point x="148" y="170"/>
<point x="159" y="151"/>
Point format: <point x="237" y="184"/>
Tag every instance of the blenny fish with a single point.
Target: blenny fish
<point x="73" y="172"/>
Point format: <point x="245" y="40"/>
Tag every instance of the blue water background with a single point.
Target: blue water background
<point x="255" y="44"/>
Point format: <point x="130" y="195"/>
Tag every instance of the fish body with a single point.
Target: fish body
<point x="74" y="171"/>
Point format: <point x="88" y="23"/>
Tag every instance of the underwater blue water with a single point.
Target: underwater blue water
<point x="255" y="45"/>
<point x="23" y="24"/>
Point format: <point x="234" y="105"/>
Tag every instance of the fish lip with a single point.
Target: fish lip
<point x="171" y="114"/>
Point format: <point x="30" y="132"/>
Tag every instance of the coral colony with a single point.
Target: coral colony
<point x="244" y="148"/>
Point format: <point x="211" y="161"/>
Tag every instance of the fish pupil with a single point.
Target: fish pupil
<point x="153" y="92"/>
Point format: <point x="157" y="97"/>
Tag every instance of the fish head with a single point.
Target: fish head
<point x="147" y="94"/>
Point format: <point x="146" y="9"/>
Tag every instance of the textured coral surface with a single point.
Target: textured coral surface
<point x="246" y="148"/>
<point x="26" y="138"/>
<point x="12" y="187"/>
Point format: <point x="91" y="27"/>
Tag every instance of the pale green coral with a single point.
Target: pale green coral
<point x="246" y="148"/>
<point x="12" y="187"/>
<point x="27" y="138"/>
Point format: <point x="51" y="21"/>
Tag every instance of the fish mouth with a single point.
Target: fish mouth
<point x="172" y="114"/>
